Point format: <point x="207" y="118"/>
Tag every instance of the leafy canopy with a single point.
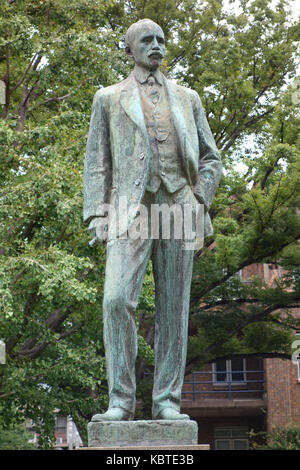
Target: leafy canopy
<point x="54" y="55"/>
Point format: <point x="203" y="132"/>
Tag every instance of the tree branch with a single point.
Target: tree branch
<point x="238" y="130"/>
<point x="17" y="277"/>
<point x="226" y="302"/>
<point x="250" y="260"/>
<point x="238" y="329"/>
<point x="58" y="98"/>
<point x="53" y="322"/>
<point x="268" y="172"/>
<point x="24" y="75"/>
<point x="258" y="355"/>
<point x="33" y="353"/>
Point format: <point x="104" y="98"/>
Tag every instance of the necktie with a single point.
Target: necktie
<point x="152" y="89"/>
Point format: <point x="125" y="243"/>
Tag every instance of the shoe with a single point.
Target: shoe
<point x="170" y="413"/>
<point x="114" y="414"/>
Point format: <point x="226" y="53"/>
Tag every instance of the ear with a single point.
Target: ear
<point x="128" y="51"/>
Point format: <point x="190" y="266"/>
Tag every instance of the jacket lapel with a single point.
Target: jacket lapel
<point x="176" y="110"/>
<point x="178" y="117"/>
<point x="131" y="103"/>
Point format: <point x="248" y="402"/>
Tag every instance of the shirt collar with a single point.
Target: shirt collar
<point x="142" y="74"/>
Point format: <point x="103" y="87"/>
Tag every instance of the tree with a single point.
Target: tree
<point x="263" y="223"/>
<point x="16" y="438"/>
<point x="53" y="57"/>
<point x="281" y="439"/>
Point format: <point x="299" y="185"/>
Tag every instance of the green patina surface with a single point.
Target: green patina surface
<point x="142" y="433"/>
<point x="123" y="150"/>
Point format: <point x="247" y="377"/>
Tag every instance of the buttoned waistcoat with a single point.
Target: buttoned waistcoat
<point x="166" y="164"/>
<point x="118" y="149"/>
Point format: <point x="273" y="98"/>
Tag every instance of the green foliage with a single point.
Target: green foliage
<point x="282" y="439"/>
<point x="16" y="438"/>
<point x="53" y="57"/>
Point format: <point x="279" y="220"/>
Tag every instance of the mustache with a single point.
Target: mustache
<point x="156" y="53"/>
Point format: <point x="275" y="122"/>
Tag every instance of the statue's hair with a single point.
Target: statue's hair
<point x="134" y="29"/>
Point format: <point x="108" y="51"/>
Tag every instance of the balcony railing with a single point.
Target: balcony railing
<point x="251" y="387"/>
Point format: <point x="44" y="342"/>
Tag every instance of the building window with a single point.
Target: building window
<point x="61" y="423"/>
<point x="230" y="370"/>
<point x="231" y="439"/>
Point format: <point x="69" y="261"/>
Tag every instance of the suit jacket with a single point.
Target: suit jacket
<point x="118" y="149"/>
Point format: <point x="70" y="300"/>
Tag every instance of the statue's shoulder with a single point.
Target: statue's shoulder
<point x="106" y="93"/>
<point x="188" y="92"/>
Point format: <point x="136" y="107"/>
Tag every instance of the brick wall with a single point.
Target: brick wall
<point x="283" y="393"/>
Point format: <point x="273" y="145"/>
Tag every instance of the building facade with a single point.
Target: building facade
<point x="231" y="398"/>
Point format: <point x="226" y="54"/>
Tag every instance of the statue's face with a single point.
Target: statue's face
<point x="148" y="47"/>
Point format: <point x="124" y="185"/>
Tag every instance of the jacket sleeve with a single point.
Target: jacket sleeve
<point x="210" y="165"/>
<point x="97" y="165"/>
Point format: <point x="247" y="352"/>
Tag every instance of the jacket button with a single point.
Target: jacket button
<point x="137" y="182"/>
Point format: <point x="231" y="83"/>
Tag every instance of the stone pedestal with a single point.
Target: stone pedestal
<point x="142" y="434"/>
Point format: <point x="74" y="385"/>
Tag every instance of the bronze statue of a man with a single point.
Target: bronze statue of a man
<point x="149" y="141"/>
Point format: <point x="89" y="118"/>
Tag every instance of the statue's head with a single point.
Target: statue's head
<point x="145" y="43"/>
